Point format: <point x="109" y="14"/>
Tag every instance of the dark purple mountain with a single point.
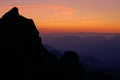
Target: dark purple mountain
<point x="104" y="49"/>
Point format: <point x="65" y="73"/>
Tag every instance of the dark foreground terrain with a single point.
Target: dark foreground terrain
<point x="23" y="56"/>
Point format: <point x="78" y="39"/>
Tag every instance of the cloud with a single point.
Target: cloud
<point x="53" y="7"/>
<point x="53" y="10"/>
<point x="44" y="13"/>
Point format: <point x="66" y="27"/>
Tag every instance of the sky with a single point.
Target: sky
<point x="69" y="16"/>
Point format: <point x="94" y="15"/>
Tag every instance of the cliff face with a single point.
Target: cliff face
<point x="23" y="56"/>
<point x="19" y="34"/>
<point x="21" y="49"/>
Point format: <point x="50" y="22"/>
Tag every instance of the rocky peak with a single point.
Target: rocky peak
<point x="19" y="34"/>
<point x="11" y="14"/>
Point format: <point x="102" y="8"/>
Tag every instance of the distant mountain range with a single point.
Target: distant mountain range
<point x="91" y="63"/>
<point x="107" y="50"/>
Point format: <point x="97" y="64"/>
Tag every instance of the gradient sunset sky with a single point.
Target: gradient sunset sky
<point x="62" y="16"/>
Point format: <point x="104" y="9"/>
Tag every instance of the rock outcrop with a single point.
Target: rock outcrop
<point x="24" y="57"/>
<point x="22" y="52"/>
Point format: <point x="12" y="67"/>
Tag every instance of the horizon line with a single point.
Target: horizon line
<point x="79" y="32"/>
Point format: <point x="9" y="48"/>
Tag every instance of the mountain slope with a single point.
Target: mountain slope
<point x="21" y="49"/>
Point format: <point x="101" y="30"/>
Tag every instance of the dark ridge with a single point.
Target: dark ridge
<point x="24" y="57"/>
<point x="22" y="53"/>
<point x="13" y="13"/>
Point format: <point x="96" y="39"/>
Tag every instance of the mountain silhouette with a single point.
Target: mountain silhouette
<point x="70" y="67"/>
<point x="24" y="57"/>
<point x="21" y="47"/>
<point x="102" y="48"/>
<point x="18" y="33"/>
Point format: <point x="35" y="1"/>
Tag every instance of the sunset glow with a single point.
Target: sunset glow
<point x="62" y="16"/>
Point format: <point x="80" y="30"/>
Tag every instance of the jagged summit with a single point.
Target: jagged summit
<point x="11" y="13"/>
<point x="19" y="34"/>
<point x="14" y="10"/>
<point x="24" y="57"/>
<point x="21" y="46"/>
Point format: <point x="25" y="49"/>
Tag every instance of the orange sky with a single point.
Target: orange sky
<point x="55" y="16"/>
